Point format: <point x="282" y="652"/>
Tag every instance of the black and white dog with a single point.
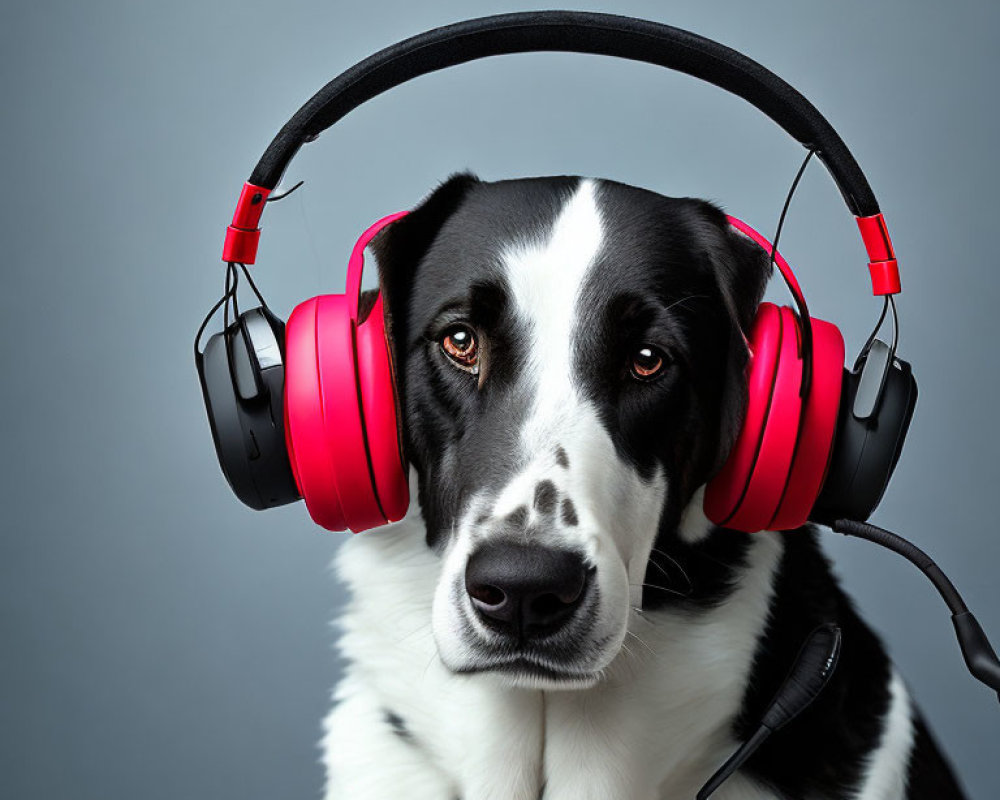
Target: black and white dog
<point x="556" y="617"/>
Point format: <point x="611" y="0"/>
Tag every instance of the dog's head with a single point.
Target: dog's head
<point x="570" y="361"/>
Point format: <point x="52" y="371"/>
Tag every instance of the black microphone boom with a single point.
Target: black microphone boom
<point x="813" y="667"/>
<point x="979" y="655"/>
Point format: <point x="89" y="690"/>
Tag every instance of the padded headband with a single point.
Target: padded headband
<point x="577" y="32"/>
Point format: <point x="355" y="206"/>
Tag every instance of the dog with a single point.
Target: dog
<point x="556" y="617"/>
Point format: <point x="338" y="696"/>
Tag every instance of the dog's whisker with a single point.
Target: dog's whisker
<point x="718" y="561"/>
<point x="673" y="561"/>
<point x="684" y="300"/>
<point x="666" y="574"/>
<point x="633" y="661"/>
<point x="640" y="641"/>
<point x="424" y="628"/>
<point x="660" y="588"/>
<point x="427" y="666"/>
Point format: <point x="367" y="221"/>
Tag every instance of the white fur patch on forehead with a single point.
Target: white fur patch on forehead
<point x="545" y="277"/>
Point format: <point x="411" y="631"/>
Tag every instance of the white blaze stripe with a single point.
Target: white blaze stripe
<point x="545" y="280"/>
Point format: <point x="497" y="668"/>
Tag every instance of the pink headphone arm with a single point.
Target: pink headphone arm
<point x="356" y="264"/>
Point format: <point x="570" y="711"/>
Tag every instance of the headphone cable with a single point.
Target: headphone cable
<point x="226" y="296"/>
<point x="805" y="320"/>
<point x="979" y="655"/>
<point x="246" y="272"/>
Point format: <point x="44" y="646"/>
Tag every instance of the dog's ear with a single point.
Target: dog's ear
<point x="741" y="269"/>
<point x="400" y="247"/>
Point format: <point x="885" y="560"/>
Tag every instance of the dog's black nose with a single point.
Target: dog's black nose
<point x="525" y="590"/>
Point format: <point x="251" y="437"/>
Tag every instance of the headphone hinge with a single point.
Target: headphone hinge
<point x="882" y="262"/>
<point x="243" y="236"/>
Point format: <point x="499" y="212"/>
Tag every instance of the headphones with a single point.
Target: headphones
<point x="309" y="410"/>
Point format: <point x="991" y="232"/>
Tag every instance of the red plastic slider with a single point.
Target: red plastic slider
<point x="882" y="262"/>
<point x="243" y="235"/>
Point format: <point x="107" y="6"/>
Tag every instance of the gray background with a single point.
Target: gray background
<point x="157" y="639"/>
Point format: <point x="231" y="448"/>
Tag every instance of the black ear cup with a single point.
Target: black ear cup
<point x="242" y="373"/>
<point x="877" y="403"/>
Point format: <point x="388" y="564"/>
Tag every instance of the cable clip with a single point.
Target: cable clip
<point x="282" y="195"/>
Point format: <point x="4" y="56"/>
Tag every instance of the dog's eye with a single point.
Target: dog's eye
<point x="460" y="345"/>
<point x="646" y="362"/>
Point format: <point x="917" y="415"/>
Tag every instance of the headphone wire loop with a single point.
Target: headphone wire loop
<point x="805" y="320"/>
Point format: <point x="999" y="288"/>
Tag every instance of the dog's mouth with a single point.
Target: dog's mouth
<point x="530" y="672"/>
<point x="569" y="660"/>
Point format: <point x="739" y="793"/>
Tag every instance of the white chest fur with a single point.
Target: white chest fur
<point x="655" y="727"/>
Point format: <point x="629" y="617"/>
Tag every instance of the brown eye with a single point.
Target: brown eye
<point x="460" y="345"/>
<point x="647" y="363"/>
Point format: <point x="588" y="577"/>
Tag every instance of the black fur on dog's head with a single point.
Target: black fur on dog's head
<point x="556" y="440"/>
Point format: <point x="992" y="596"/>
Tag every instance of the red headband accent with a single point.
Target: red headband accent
<point x="882" y="262"/>
<point x="243" y="236"/>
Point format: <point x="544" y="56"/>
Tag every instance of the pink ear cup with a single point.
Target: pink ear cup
<point x="305" y="429"/>
<point x="777" y="440"/>
<point x="340" y="408"/>
<point x="725" y="491"/>
<point x="324" y="417"/>
<point x="378" y="400"/>
<point x="342" y="414"/>
<point x="776" y="469"/>
<point x="819" y="423"/>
